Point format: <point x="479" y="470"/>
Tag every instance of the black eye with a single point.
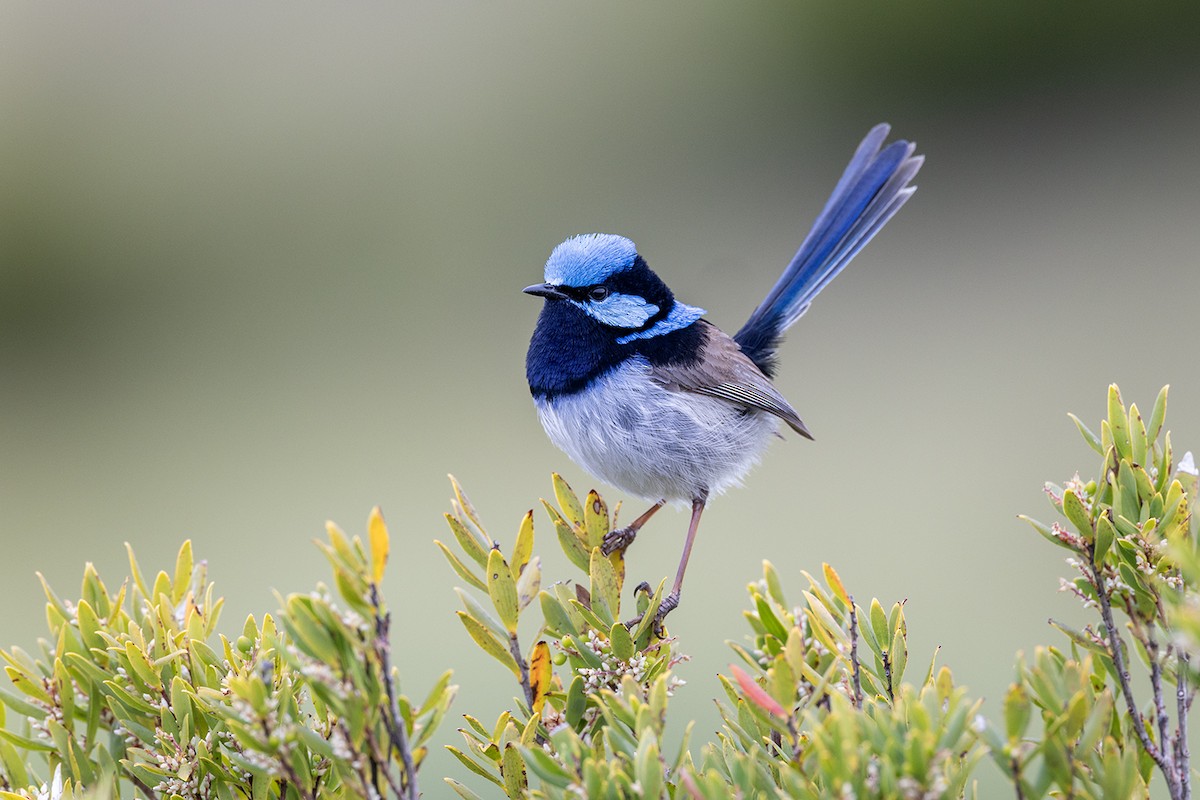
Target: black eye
<point x="598" y="293"/>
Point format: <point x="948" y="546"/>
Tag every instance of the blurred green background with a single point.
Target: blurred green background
<point x="261" y="266"/>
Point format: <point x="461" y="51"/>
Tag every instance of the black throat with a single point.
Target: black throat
<point x="569" y="349"/>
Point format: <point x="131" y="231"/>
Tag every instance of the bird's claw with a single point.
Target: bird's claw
<point x="618" y="540"/>
<point x="668" y="604"/>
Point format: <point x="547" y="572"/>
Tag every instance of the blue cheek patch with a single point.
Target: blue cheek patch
<point x="620" y="310"/>
<point x="681" y="316"/>
<point x="588" y="259"/>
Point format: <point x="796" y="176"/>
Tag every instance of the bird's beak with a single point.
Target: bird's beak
<point x="547" y="290"/>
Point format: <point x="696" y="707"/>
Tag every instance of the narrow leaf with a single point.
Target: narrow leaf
<point x="489" y="642"/>
<point x="503" y="591"/>
<point x="568" y="501"/>
<point x="540" y="674"/>
<point x="377" y="532"/>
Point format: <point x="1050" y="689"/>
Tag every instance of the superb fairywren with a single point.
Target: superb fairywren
<point x="648" y="396"/>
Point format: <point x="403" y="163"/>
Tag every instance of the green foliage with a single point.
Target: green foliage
<point x="594" y="689"/>
<point x="809" y="719"/>
<point x="135" y="691"/>
<point x="1133" y="539"/>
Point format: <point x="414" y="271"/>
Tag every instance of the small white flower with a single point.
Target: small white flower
<point x="1188" y="464"/>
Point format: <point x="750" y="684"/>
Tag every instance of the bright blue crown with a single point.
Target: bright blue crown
<point x="589" y="258"/>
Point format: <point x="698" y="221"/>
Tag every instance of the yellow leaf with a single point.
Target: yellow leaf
<point x="568" y="501"/>
<point x="524" y="545"/>
<point x="377" y="532"/>
<point x="540" y="674"/>
<point x="595" y="520"/>
<point x="835" y="583"/>
<point x="503" y="591"/>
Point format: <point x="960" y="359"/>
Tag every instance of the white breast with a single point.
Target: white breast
<point x="654" y="442"/>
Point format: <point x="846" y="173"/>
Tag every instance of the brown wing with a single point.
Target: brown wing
<point x="725" y="372"/>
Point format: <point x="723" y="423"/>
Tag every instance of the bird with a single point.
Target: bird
<point x="650" y="397"/>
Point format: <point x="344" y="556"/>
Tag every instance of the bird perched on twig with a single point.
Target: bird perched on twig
<point x="644" y="393"/>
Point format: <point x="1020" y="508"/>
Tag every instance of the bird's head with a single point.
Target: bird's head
<point x="603" y="277"/>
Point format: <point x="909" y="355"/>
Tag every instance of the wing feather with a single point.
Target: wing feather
<point x="723" y="371"/>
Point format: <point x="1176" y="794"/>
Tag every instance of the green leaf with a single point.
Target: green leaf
<point x="1157" y="415"/>
<point x="512" y="767"/>
<point x="142" y="666"/>
<point x="183" y="571"/>
<point x="469" y="542"/>
<point x="503" y="591"/>
<point x="468" y="510"/>
<point x="571" y="545"/>
<point x="595" y="520"/>
<point x="1092" y="439"/>
<point x="546" y="768"/>
<point x="558" y="621"/>
<point x="1046" y="532"/>
<point x="461" y="790"/>
<point x="308" y="631"/>
<point x="766" y="615"/>
<point x="774" y="585"/>
<point x="604" y="587"/>
<point x="899" y="657"/>
<point x="568" y="501"/>
<point x="476" y="610"/>
<point x="1017" y="712"/>
<point x="474" y="766"/>
<point x="460" y="568"/>
<point x="648" y="767"/>
<point x="879" y="624"/>
<point x="576" y="703"/>
<point x="1073" y="510"/>
<point x="621" y="641"/>
<point x="1105" y="535"/>
<point x="1118" y="423"/>
<point x="25" y="743"/>
<point x="1137" y="435"/>
<point x="489" y="642"/>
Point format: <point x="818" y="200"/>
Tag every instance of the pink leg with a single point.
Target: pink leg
<point x="671" y="601"/>
<point x="623" y="537"/>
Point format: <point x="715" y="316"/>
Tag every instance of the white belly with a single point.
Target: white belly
<point x="654" y="442"/>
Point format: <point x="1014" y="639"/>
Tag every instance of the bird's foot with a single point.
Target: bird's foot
<point x="618" y="540"/>
<point x="668" y="604"/>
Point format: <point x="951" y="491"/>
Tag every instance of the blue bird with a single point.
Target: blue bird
<point x="644" y="393"/>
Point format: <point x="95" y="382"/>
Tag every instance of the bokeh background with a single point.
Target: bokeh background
<point x="260" y="267"/>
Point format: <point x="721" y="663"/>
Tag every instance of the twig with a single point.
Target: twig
<point x="392" y="720"/>
<point x="1160" y="705"/>
<point x="858" y="695"/>
<point x="887" y="676"/>
<point x="378" y="766"/>
<point x="514" y="647"/>
<point x="1016" y="768"/>
<point x="1182" y="703"/>
<point x="1116" y="647"/>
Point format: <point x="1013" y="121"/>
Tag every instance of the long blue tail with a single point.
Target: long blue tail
<point x="872" y="189"/>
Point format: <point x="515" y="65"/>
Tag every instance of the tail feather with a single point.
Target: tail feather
<point x="871" y="190"/>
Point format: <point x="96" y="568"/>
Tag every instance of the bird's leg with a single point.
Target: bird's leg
<point x="671" y="601"/>
<point x="623" y="537"/>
